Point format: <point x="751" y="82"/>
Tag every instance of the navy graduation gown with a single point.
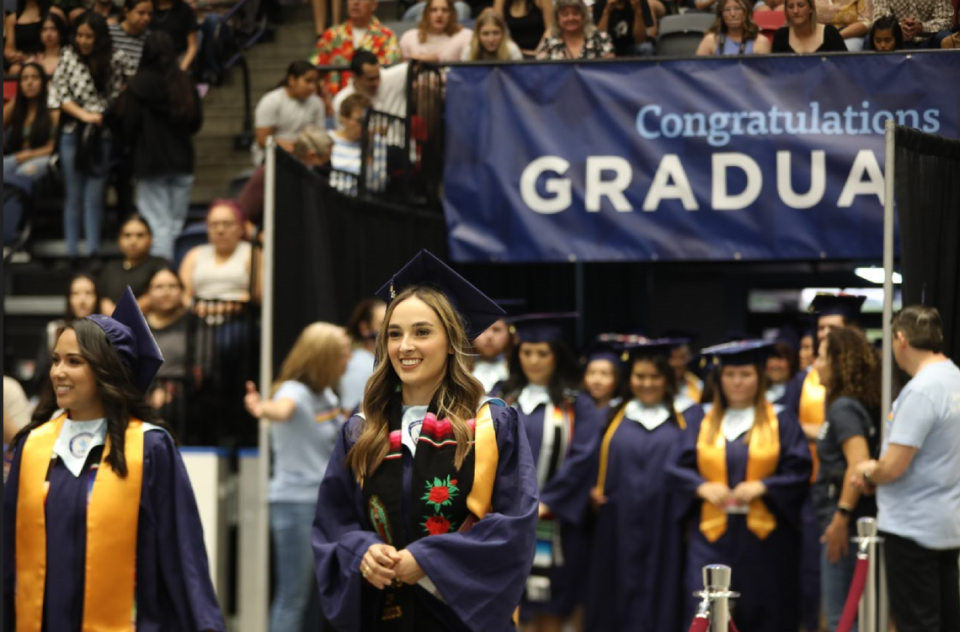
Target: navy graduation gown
<point x="173" y="589"/>
<point x="765" y="572"/>
<point x="480" y="573"/>
<point x="567" y="495"/>
<point x="636" y="569"/>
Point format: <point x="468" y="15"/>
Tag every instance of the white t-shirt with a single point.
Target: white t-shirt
<point x="512" y="48"/>
<point x="410" y="44"/>
<point x="287" y="117"/>
<point x="391" y="96"/>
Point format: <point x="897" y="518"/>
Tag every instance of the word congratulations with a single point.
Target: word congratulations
<point x="720" y="127"/>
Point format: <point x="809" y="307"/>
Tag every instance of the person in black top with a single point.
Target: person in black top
<point x="162" y="112"/>
<point x="850" y="371"/>
<point x="529" y="21"/>
<point x="803" y="34"/>
<point x="134" y="270"/>
<point x="21" y="32"/>
<point x="179" y="20"/>
<point x="629" y="23"/>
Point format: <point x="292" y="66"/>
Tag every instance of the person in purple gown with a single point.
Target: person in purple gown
<point x="741" y="476"/>
<point x="563" y="430"/>
<point x="636" y="567"/>
<point x="426" y="517"/>
<point x="101" y="528"/>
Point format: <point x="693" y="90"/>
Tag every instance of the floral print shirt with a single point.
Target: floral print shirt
<point x="336" y="48"/>
<point x="594" y="47"/>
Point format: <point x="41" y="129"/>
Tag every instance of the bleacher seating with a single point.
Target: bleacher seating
<point x="679" y="35"/>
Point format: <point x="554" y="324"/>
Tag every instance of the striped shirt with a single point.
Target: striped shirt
<point x="131" y="45"/>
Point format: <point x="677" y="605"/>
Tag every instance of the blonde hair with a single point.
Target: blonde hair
<point x="813" y="12"/>
<point x="315" y="359"/>
<point x="761" y="422"/>
<point x="477" y="52"/>
<point x="456" y="399"/>
<point x="312" y="139"/>
<point x="750" y="28"/>
<point x="588" y="26"/>
<point x="453" y="26"/>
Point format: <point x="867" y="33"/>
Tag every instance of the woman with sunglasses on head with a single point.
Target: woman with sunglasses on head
<point x="426" y="516"/>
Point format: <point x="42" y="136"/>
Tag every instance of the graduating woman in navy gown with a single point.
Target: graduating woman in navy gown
<point x="741" y="475"/>
<point x="427" y="514"/>
<point x="105" y="535"/>
<point x="636" y="567"/>
<point x="563" y="431"/>
<point x="602" y="376"/>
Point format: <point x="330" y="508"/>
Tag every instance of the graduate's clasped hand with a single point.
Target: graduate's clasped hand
<point x="382" y="564"/>
<point x="722" y="496"/>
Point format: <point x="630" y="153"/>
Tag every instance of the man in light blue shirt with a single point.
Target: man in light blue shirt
<point x="917" y="480"/>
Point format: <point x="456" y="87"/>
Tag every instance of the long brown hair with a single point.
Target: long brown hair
<point x="456" y="399"/>
<point x="750" y="28"/>
<point x="854" y="369"/>
<point x="761" y="421"/>
<point x="122" y="400"/>
<point x="315" y="358"/>
<point x="423" y="27"/>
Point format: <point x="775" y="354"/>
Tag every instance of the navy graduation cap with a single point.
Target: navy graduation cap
<point x="540" y="327"/>
<point x="478" y="311"/>
<point x="649" y="347"/>
<point x="846" y="305"/>
<point x="610" y="351"/>
<point x="128" y="332"/>
<point x="739" y="353"/>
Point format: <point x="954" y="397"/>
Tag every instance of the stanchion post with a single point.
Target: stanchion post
<point x="716" y="592"/>
<point x="867" y="621"/>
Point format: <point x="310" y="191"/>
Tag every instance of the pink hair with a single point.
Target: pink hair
<point x="232" y="205"/>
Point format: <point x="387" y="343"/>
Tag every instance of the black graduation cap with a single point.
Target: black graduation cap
<point x="478" y="311"/>
<point x="511" y="305"/>
<point x="610" y="351"/>
<point x="739" y="353"/>
<point x="846" y="305"/>
<point x="544" y="327"/>
<point x="128" y="332"/>
<point x="652" y="347"/>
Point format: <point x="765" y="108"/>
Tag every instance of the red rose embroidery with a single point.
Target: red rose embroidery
<point x="453" y="482"/>
<point x="439" y="495"/>
<point x="437" y="525"/>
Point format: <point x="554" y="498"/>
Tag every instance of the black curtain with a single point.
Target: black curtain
<point x="333" y="250"/>
<point x="928" y="204"/>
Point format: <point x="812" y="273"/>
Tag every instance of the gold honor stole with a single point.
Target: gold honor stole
<point x="693" y="387"/>
<point x="608" y="437"/>
<point x="486" y="457"/>
<point x="112" y="516"/>
<point x="763" y="455"/>
<point x="813" y="411"/>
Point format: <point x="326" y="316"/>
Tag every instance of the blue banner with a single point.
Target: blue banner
<point x="712" y="159"/>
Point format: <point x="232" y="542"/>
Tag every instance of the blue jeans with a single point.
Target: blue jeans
<point x="34" y="168"/>
<point x="85" y="197"/>
<point x="164" y="202"/>
<point x="290" y="525"/>
<point x="835" y="580"/>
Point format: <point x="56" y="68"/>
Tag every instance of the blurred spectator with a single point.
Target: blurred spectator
<point x="53" y="34"/>
<point x="925" y="23"/>
<point x="21" y="32"/>
<point x="385" y="87"/>
<point x="363" y="328"/>
<point x="312" y="148"/>
<point x="306" y="421"/>
<point x="16" y="409"/>
<point x="162" y="113"/>
<point x="135" y="269"/>
<point x="87" y="82"/>
<point x="220" y="270"/>
<point x="169" y="323"/>
<point x="285" y="111"/>
<point x="490" y="41"/>
<point x="130" y="34"/>
<point x="780" y="368"/>
<point x="953" y="40"/>
<point x="885" y="35"/>
<point x="574" y="36"/>
<point x="629" y="23"/>
<point x="362" y="30"/>
<point x="804" y="34"/>
<point x="438" y="28"/>
<point x="347" y="153"/>
<point x="415" y="12"/>
<point x="29" y="127"/>
<point x="806" y="355"/>
<point x="107" y="10"/>
<point x="529" y="22"/>
<point x="320" y="14"/>
<point x="851" y="17"/>
<point x="178" y="19"/>
<point x="82" y="299"/>
<point x="733" y="32"/>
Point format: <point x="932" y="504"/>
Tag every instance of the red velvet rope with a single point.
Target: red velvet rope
<point x="853" y="598"/>
<point x="699" y="624"/>
<point x="733" y="626"/>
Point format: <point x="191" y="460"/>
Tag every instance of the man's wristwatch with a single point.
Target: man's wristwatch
<point x="843" y="511"/>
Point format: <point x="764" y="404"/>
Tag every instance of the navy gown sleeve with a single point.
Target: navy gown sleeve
<point x="791" y="397"/>
<point x="683" y="472"/>
<point x="789" y="485"/>
<point x="183" y="569"/>
<point x="339" y="539"/>
<point x="567" y="494"/>
<point x="481" y="573"/>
